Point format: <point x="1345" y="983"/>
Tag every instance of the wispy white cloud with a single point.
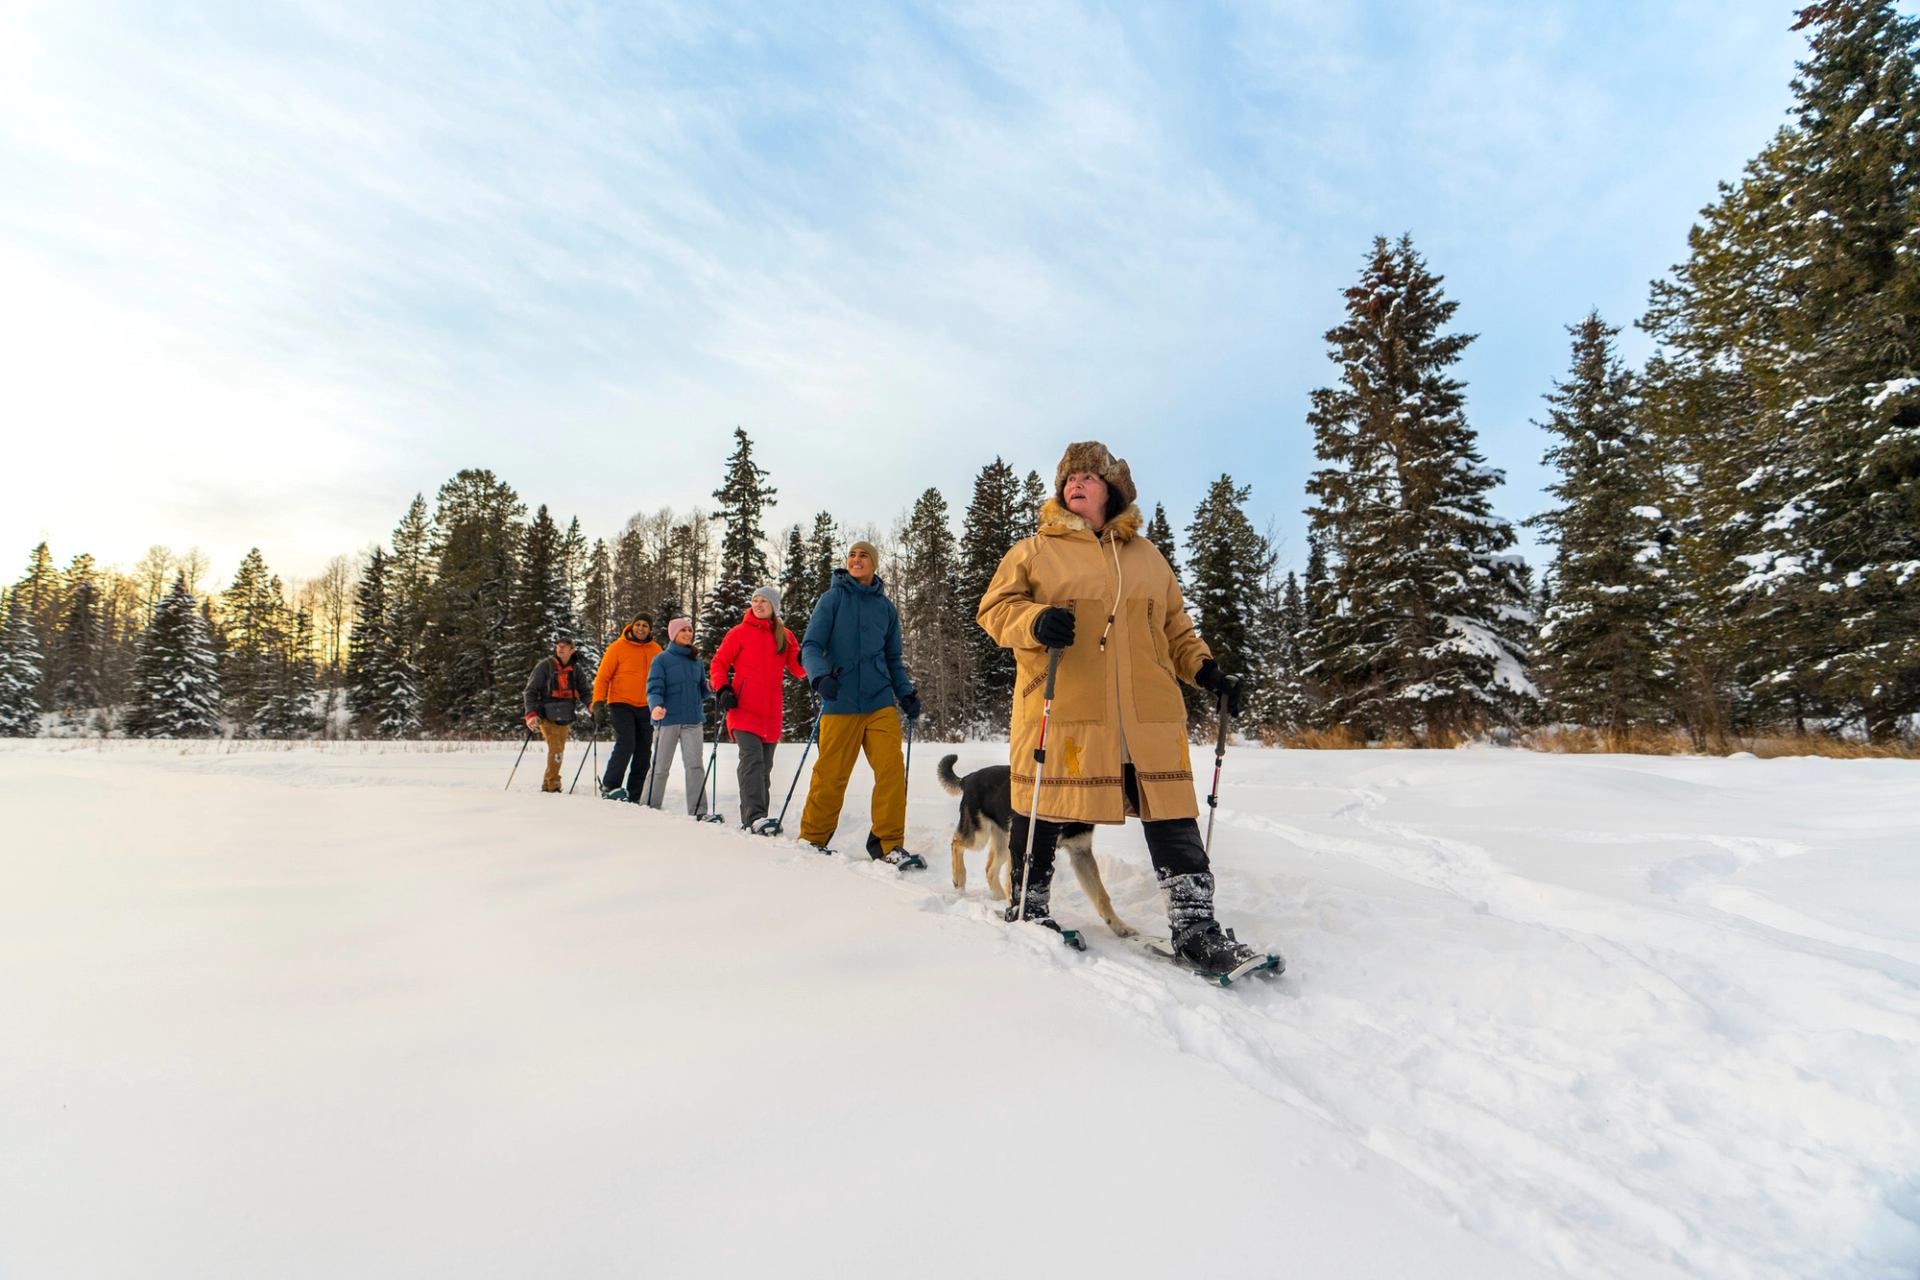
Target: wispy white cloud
<point x="332" y="252"/>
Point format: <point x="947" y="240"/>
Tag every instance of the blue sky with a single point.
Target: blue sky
<point x="268" y="270"/>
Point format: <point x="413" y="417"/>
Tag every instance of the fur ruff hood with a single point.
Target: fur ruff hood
<point x="1055" y="520"/>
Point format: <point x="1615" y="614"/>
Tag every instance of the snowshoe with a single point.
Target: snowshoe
<point x="1215" y="954"/>
<point x="811" y="847"/>
<point x="618" y="793"/>
<point x="902" y="859"/>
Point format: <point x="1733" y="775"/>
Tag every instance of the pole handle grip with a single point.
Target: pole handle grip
<point x="1053" y="668"/>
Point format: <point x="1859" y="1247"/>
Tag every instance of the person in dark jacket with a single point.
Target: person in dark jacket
<point x="852" y="658"/>
<point x="677" y="690"/>
<point x="553" y="696"/>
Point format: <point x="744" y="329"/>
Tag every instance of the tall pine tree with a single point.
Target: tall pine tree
<point x="743" y="496"/>
<point x="994" y="518"/>
<point x="176" y="692"/>
<point x="1599" y="644"/>
<point x="1423" y="628"/>
<point x="473" y="666"/>
<point x="19" y="670"/>
<point x="933" y="618"/>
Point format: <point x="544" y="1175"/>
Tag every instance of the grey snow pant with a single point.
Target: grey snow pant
<point x="756" y="765"/>
<point x="688" y="738"/>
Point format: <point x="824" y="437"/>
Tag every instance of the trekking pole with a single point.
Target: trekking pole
<point x="647" y="799"/>
<point x="713" y="757"/>
<point x="1039" y="768"/>
<point x="773" y="828"/>
<point x="524" y="744"/>
<point x="592" y="744"/>
<point x="1219" y="757"/>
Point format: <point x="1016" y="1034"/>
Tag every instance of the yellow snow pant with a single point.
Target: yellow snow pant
<point x="843" y="737"/>
<point x="556" y="739"/>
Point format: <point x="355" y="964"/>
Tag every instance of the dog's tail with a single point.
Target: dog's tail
<point x="948" y="778"/>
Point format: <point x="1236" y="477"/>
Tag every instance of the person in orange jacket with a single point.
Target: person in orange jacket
<point x="620" y="694"/>
<point x="746" y="676"/>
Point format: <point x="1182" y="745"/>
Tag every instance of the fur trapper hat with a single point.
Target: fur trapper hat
<point x="1091" y="455"/>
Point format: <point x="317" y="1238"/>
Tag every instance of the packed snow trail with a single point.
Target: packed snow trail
<point x="1596" y="1016"/>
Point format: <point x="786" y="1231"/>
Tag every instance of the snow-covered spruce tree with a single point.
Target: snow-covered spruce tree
<point x="19" y="671"/>
<point x="382" y="686"/>
<point x="289" y="709"/>
<point x="410" y="577"/>
<point x="1597" y="653"/>
<point x="472" y="669"/>
<point x="1422" y="627"/>
<point x="574" y="554"/>
<point x="542" y="605"/>
<point x="743" y="496"/>
<point x="74" y="663"/>
<point x="989" y="528"/>
<point x="934" y="619"/>
<point x="1275" y="703"/>
<point x="39" y="593"/>
<point x="1852" y="381"/>
<point x="597" y="617"/>
<point x="176" y="690"/>
<point x="1033" y="494"/>
<point x="1228" y="562"/>
<point x="246" y="616"/>
<point x="796" y="606"/>
<point x="1160" y="534"/>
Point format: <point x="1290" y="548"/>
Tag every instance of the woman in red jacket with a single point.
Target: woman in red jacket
<point x="747" y="686"/>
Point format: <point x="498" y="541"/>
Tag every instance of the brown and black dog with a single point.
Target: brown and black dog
<point x="986" y="815"/>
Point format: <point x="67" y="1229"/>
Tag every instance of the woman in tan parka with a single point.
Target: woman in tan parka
<point x="1089" y="584"/>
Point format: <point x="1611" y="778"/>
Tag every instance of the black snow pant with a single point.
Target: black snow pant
<point x="1173" y="844"/>
<point x="754" y="768"/>
<point x="632" y="743"/>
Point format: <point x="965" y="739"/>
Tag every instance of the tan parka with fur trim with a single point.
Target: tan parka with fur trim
<point x="1117" y="699"/>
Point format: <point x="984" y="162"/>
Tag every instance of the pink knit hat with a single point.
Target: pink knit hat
<point x="673" y="627"/>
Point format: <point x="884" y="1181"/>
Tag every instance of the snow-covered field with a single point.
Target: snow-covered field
<point x="346" y="1011"/>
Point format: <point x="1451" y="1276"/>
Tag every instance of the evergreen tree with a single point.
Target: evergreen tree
<point x="742" y="496"/>
<point x="797" y="598"/>
<point x="1844" y="547"/>
<point x="597" y="615"/>
<point x="19" y="670"/>
<point x="1033" y="495"/>
<point x="824" y="545"/>
<point x="247" y="613"/>
<point x="410" y="577"/>
<point x="288" y="710"/>
<point x="1160" y="534"/>
<point x="994" y="516"/>
<point x="473" y="665"/>
<point x="542" y="605"/>
<point x="38" y="592"/>
<point x="574" y="564"/>
<point x="1423" y="622"/>
<point x="381" y="684"/>
<point x="176" y="682"/>
<point x="75" y="662"/>
<point x="934" y="621"/>
<point x="1598" y="647"/>
<point x="1228" y="565"/>
<point x="632" y="573"/>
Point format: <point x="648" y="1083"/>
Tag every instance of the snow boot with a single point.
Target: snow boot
<point x="811" y="847"/>
<point x="1038" y="911"/>
<point x="618" y="793"/>
<point x="1197" y="937"/>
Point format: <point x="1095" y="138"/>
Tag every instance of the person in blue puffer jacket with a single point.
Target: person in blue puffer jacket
<point x="677" y="691"/>
<point x="851" y="653"/>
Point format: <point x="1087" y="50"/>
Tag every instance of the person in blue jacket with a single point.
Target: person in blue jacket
<point x="851" y="653"/>
<point x="677" y="691"/>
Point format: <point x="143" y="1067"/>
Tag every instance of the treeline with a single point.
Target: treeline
<point x="1736" y="528"/>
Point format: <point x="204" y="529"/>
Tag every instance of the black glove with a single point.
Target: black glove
<point x="725" y="698"/>
<point x="600" y="714"/>
<point x="1217" y="682"/>
<point x="827" y="686"/>
<point x="1054" y="627"/>
<point x="911" y="705"/>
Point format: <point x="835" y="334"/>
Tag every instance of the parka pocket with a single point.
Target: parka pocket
<point x="1156" y="690"/>
<point x="1080" y="690"/>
